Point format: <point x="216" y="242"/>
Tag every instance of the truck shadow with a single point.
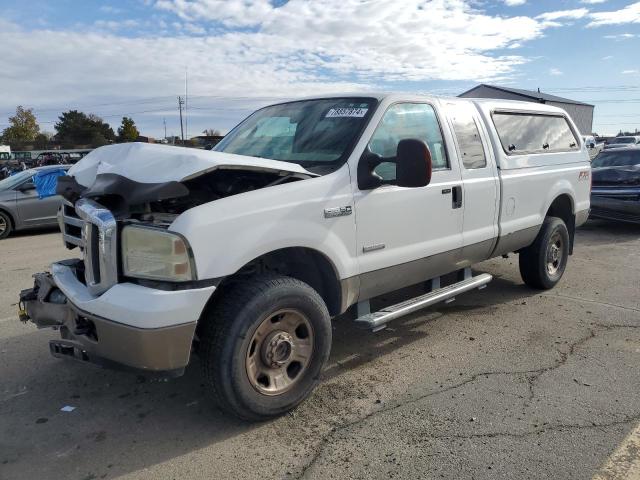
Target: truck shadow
<point x="347" y="354"/>
<point x="123" y="423"/>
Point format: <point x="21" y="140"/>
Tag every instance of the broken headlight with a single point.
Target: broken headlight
<point x="156" y="254"/>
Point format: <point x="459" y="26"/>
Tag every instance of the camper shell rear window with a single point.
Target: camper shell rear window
<point x="522" y="133"/>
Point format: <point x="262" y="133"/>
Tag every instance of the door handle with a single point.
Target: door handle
<point x="456" y="197"/>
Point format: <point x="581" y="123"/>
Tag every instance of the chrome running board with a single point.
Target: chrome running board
<point x="378" y="320"/>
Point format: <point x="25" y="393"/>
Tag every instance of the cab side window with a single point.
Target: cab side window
<point x="402" y="121"/>
<point x="468" y="138"/>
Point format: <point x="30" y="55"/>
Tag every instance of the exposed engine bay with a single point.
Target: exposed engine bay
<point x="161" y="203"/>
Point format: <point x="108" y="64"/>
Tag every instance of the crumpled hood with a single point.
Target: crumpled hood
<point x="154" y="163"/>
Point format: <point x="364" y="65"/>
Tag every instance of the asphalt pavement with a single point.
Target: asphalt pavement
<point x="506" y="382"/>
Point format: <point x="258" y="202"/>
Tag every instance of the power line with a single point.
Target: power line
<point x="141" y="101"/>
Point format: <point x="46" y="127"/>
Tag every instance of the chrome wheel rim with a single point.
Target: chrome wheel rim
<point x="555" y="253"/>
<point x="279" y="352"/>
<point x="3" y="225"/>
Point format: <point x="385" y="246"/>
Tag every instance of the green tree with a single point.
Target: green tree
<point x="76" y="128"/>
<point x="22" y="130"/>
<point x="127" y="131"/>
<point x="41" y="142"/>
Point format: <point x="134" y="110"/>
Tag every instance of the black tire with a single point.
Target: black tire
<point x="538" y="266"/>
<point x="6" y="226"/>
<point x="227" y="337"/>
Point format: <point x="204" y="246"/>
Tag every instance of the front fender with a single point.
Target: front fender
<point x="228" y="233"/>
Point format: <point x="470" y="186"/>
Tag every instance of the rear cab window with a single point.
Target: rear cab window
<point x="467" y="135"/>
<point x="522" y="133"/>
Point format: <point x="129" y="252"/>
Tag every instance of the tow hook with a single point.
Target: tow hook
<point x="44" y="304"/>
<point x="27" y="295"/>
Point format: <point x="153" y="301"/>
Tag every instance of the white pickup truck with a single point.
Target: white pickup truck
<point x="242" y="255"/>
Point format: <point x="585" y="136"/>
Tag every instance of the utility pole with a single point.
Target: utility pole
<point x="180" y="103"/>
<point x="186" y="102"/>
<point x="164" y="120"/>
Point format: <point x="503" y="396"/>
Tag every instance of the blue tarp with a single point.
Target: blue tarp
<point x="46" y="181"/>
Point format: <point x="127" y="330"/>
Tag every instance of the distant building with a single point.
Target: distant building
<point x="206" y="141"/>
<point x="581" y="113"/>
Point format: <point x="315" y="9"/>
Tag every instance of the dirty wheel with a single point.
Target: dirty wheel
<point x="542" y="264"/>
<point x="279" y="352"/>
<point x="263" y="345"/>
<point x="5" y="225"/>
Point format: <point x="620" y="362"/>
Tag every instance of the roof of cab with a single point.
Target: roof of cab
<point x="487" y="104"/>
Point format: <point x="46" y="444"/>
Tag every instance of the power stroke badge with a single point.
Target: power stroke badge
<point x="337" y="211"/>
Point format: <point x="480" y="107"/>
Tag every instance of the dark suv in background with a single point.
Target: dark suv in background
<point x="615" y="194"/>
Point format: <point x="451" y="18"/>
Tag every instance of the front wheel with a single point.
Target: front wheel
<point x="542" y="264"/>
<point x="264" y="344"/>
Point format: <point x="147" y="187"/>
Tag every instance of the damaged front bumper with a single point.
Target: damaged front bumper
<point x="129" y="326"/>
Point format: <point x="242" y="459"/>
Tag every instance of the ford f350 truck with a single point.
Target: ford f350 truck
<point x="242" y="255"/>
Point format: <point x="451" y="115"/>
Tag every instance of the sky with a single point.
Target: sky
<point x="131" y="57"/>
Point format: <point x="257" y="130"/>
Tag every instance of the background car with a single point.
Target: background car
<point x="621" y="142"/>
<point x="593" y="147"/>
<point x="21" y="206"/>
<point x="615" y="192"/>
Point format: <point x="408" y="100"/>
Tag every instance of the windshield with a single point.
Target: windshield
<point x="622" y="140"/>
<point x="311" y="133"/>
<point x="16" y="179"/>
<point x="626" y="158"/>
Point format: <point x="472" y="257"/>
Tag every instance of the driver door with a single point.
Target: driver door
<point x="408" y="235"/>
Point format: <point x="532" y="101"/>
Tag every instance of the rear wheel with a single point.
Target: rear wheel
<point x="542" y="264"/>
<point x="5" y="225"/>
<point x="263" y="346"/>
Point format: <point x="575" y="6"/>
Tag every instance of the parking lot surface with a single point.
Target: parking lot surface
<point x="503" y="383"/>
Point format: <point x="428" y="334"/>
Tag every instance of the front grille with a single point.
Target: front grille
<point x="93" y="228"/>
<point x="70" y="225"/>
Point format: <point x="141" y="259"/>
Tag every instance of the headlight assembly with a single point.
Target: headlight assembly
<point x="155" y="254"/>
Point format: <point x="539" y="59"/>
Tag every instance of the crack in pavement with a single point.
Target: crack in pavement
<point x="564" y="357"/>
<point x="613" y="326"/>
<point x="538" y="431"/>
<point x="587" y="300"/>
<point x="532" y="377"/>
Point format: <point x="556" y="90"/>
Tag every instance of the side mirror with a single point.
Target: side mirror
<point x="26" y="186"/>
<point x="368" y="179"/>
<point x="413" y="163"/>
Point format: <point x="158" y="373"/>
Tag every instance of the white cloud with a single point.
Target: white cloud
<point x="514" y="3"/>
<point x="630" y="72"/>
<point x="608" y="57"/>
<point x="242" y="13"/>
<point x="115" y="25"/>
<point x="626" y="15"/>
<point x="110" y="9"/>
<point x="555" y="72"/>
<point x="621" y="36"/>
<point x="592" y="2"/>
<point x="298" y="47"/>
<point x="564" y="14"/>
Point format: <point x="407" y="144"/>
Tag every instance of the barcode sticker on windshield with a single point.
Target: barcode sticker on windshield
<point x="347" y="112"/>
